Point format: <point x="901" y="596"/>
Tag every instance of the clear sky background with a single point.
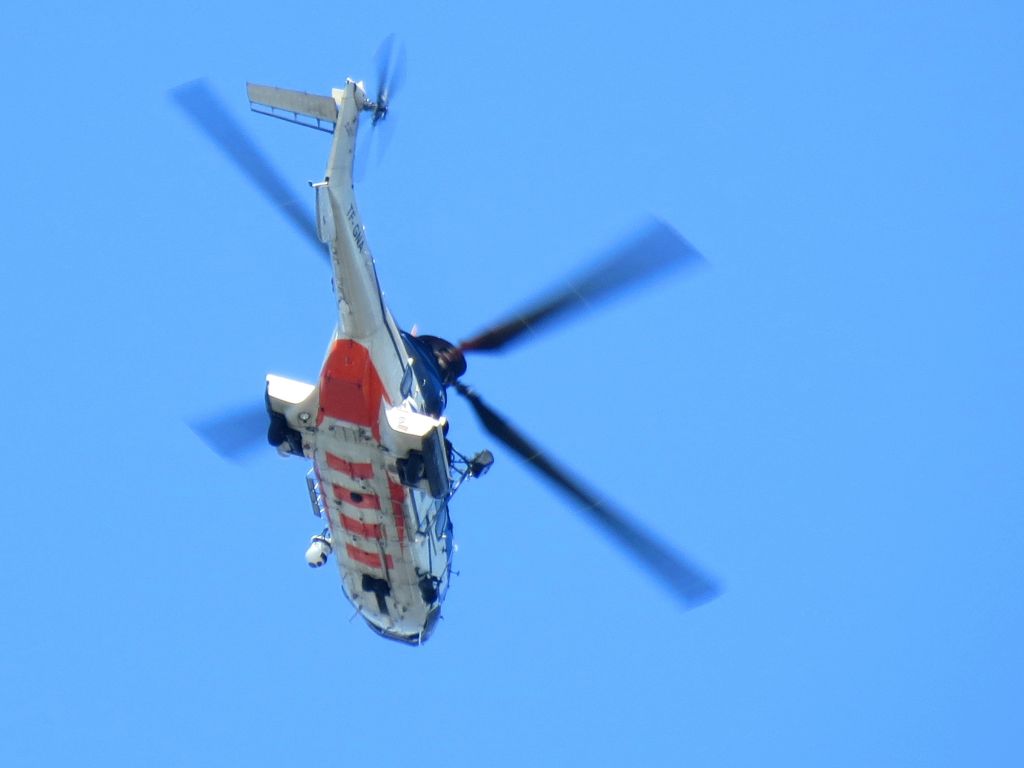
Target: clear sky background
<point x="828" y="419"/>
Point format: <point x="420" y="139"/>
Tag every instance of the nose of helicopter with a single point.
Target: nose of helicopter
<point x="430" y="623"/>
<point x="415" y="638"/>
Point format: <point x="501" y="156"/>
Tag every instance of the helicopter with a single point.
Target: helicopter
<point x="383" y="470"/>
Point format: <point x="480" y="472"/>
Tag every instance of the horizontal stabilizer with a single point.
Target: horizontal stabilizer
<point x="320" y="112"/>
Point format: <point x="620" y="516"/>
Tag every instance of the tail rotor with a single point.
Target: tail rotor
<point x="389" y="65"/>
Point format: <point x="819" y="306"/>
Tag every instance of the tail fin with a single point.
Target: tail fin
<point x="320" y="112"/>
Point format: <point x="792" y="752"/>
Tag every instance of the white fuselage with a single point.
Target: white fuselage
<point x="390" y="535"/>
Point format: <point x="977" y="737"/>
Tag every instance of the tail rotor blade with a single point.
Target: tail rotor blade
<point x="389" y="61"/>
<point x="210" y="115"/>
<point x="684" y="580"/>
<point x="364" y="154"/>
<point x="382" y="63"/>
<point x="652" y="250"/>
<point x="386" y="133"/>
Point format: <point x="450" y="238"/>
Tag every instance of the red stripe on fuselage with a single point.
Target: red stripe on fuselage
<point x="354" y="469"/>
<point x="350" y="387"/>
<point x="355" y="498"/>
<point x="397" y="493"/>
<point x="359" y="528"/>
<point x="371" y="559"/>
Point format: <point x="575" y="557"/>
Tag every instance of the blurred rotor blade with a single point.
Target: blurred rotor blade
<point x="213" y="118"/>
<point x="653" y="249"/>
<point x="234" y="433"/>
<point x="371" y="146"/>
<point x="386" y="131"/>
<point x="686" y="582"/>
<point x="390" y="64"/>
<point x="363" y="155"/>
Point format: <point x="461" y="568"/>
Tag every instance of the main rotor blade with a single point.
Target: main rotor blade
<point x="653" y="249"/>
<point x="683" y="579"/>
<point x="234" y="433"/>
<point x="214" y="119"/>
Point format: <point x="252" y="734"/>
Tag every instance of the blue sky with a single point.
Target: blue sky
<point x="828" y="418"/>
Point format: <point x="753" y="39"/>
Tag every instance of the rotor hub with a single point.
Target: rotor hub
<point x="450" y="360"/>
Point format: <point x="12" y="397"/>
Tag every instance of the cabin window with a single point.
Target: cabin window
<point x="441" y="524"/>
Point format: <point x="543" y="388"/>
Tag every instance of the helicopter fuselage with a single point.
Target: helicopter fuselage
<point x="372" y="425"/>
